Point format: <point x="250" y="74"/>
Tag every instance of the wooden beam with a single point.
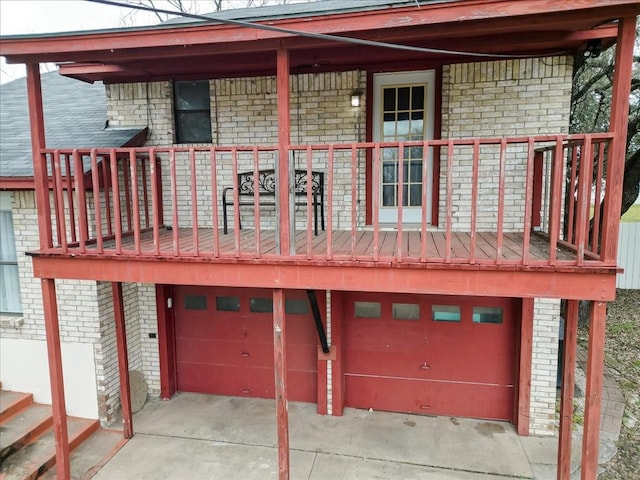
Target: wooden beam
<point x="593" y="396"/>
<point x="123" y="358"/>
<point x="284" y="139"/>
<point x="54" y="357"/>
<point x="618" y="126"/>
<point x="568" y="387"/>
<point x="447" y="280"/>
<point x="36" y="122"/>
<point x="524" y="374"/>
<point x="280" y="369"/>
<point x="166" y="342"/>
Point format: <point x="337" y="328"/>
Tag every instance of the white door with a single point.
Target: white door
<point x="403" y="109"/>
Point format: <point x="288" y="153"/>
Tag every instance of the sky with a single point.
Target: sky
<point x="45" y="16"/>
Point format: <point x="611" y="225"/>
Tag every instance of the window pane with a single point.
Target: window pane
<point x="403" y="98"/>
<point x="406" y="311"/>
<point x="7" y="238"/>
<point x="195" y="302"/>
<point x="193" y="127"/>
<point x="445" y="313"/>
<point x="487" y="315"/>
<point x="296" y="306"/>
<point x="261" y="305"/>
<point x="417" y="98"/>
<point x="416" y="167"/>
<point x="10" y="289"/>
<point x="367" y="309"/>
<point x="389" y="99"/>
<point x="389" y="195"/>
<point x="228" y="304"/>
<point x="389" y="172"/>
<point x="415" y="197"/>
<point x="192" y="95"/>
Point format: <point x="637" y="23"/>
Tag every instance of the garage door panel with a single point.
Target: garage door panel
<point x="431" y="398"/>
<point x="367" y="334"/>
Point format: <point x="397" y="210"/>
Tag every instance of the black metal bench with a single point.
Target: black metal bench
<point x="267" y="190"/>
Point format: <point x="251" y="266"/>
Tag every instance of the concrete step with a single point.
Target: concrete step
<point x="92" y="454"/>
<point x="23" y="427"/>
<point x="36" y="457"/>
<point x="12" y="402"/>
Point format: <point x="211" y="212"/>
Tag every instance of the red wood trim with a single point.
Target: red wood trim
<point x="593" y="395"/>
<point x="310" y="203"/>
<point x="236" y="201"/>
<point x="449" y="201"/>
<point x="568" y="386"/>
<point x="214" y="200"/>
<point x="284" y="140"/>
<point x="145" y="192"/>
<point x="17" y="183"/>
<point x="354" y="196"/>
<point x="330" y="166"/>
<point x="595" y="239"/>
<point x="174" y="202"/>
<point x="54" y="356"/>
<point x="280" y="370"/>
<point x="474" y="200"/>
<point x="117" y="213"/>
<point x="400" y="198"/>
<point x="538" y="174"/>
<point x="555" y="202"/>
<point x="501" y="187"/>
<point x="41" y="181"/>
<point x="618" y="126"/>
<point x="79" y="186"/>
<point x="156" y="197"/>
<point x="166" y="342"/>
<point x="105" y="170"/>
<point x="376" y="163"/>
<point x="437" y="134"/>
<point x="97" y="209"/>
<point x="337" y="343"/>
<point x="524" y="374"/>
<point x="194" y="201"/>
<point x="572" y="195"/>
<point x="368" y="179"/>
<point x="123" y="358"/>
<point x="423" y="201"/>
<point x="70" y="202"/>
<point x="58" y="193"/>
<point x="135" y="197"/>
<point x="528" y="199"/>
<point x="126" y="169"/>
<point x="585" y="180"/>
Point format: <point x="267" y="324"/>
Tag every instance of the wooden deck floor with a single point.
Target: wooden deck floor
<point x="345" y="247"/>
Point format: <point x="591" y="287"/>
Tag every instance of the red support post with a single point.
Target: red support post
<point x="618" y="126"/>
<point x="166" y="342"/>
<point x="54" y="356"/>
<point x="526" y="351"/>
<point x="593" y="396"/>
<point x="284" y="139"/>
<point x="36" y="119"/>
<point x="568" y="386"/>
<point x="123" y="358"/>
<point x="280" y="369"/>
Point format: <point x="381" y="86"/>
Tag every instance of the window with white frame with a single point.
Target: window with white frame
<point x="192" y="111"/>
<point x="9" y="281"/>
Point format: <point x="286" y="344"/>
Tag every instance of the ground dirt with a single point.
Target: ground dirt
<point x="622" y="356"/>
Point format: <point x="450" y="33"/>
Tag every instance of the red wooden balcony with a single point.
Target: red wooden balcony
<point x="503" y="202"/>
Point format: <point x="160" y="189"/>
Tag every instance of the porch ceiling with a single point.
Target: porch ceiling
<point x="212" y="50"/>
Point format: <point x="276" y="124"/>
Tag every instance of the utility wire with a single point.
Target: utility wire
<point x="300" y="33"/>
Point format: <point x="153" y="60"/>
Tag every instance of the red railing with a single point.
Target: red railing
<point x="501" y="201"/>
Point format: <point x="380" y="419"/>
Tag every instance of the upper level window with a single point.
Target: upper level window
<point x="9" y="280"/>
<point x="192" y="111"/>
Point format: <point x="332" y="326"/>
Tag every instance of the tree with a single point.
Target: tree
<point x="591" y="108"/>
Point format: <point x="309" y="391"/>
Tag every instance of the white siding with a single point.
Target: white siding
<point x="628" y="257"/>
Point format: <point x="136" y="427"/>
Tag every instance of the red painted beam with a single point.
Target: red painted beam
<point x="568" y="386"/>
<point x="123" y="358"/>
<point x="593" y="395"/>
<point x="54" y="357"/>
<point x="280" y="370"/>
<point x="524" y="374"/>
<point x="166" y="342"/>
<point x="618" y="126"/>
<point x="284" y="140"/>
<point x="17" y="183"/>
<point x="573" y="283"/>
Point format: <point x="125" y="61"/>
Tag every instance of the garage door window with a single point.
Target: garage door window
<point x="195" y="302"/>
<point x="405" y="311"/>
<point x="228" y="304"/>
<point x="367" y="309"/>
<point x="261" y="305"/>
<point x="445" y="313"/>
<point x="487" y="315"/>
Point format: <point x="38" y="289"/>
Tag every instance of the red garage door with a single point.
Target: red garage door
<point x="430" y="355"/>
<point x="224" y="343"/>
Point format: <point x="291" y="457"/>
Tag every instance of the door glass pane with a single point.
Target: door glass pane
<point x="228" y="304"/>
<point x="445" y="313"/>
<point x="415" y="195"/>
<point x="405" y="311"/>
<point x="388" y="195"/>
<point x="487" y="315"/>
<point x="261" y="305"/>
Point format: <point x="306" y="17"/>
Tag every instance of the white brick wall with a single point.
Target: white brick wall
<point x="544" y="365"/>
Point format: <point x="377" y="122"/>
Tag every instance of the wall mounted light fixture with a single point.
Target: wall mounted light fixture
<point x="593" y="50"/>
<point x="355" y="98"/>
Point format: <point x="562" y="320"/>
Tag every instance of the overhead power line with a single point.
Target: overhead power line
<point x="300" y="33"/>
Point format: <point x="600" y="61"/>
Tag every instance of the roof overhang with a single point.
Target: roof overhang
<point x="496" y="27"/>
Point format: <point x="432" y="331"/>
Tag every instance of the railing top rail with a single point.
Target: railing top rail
<point x="568" y="139"/>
